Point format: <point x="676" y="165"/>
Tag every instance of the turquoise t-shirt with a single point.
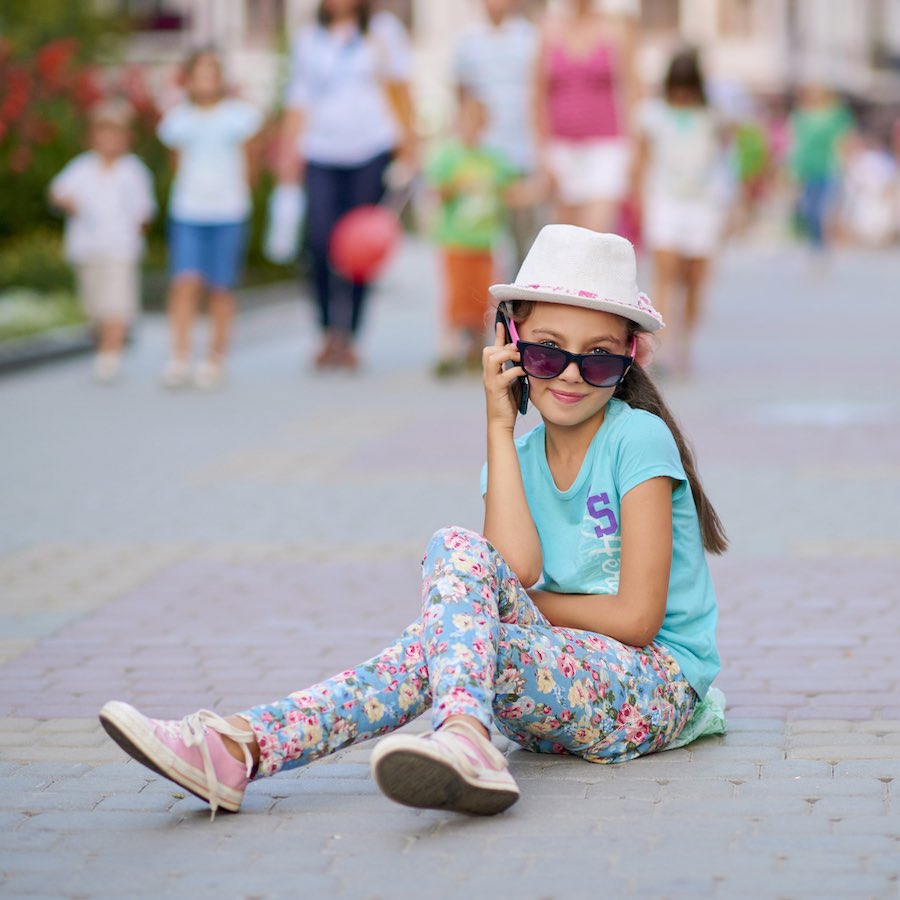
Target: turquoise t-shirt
<point x="581" y="539"/>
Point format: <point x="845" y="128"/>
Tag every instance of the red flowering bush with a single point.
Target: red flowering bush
<point x="45" y="100"/>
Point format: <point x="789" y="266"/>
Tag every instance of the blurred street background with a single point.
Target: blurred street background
<point x="220" y="547"/>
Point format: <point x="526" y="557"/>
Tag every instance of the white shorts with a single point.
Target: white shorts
<point x="690" y="228"/>
<point x="109" y="290"/>
<point x="595" y="169"/>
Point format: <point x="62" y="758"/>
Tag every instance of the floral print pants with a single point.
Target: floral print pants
<point x="482" y="648"/>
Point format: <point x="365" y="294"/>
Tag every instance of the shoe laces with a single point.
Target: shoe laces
<point x="193" y="732"/>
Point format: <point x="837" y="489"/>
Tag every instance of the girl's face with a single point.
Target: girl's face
<point x="204" y="81"/>
<point x="568" y="400"/>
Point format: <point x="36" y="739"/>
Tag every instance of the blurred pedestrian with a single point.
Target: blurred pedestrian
<point x="818" y="127"/>
<point x="870" y="184"/>
<point x="679" y="177"/>
<point x="210" y="135"/>
<point x="495" y="62"/>
<point x="348" y="114"/>
<point x="585" y="90"/>
<point x="581" y="623"/>
<point x="471" y="179"/>
<point x="107" y="196"/>
<point x="753" y="167"/>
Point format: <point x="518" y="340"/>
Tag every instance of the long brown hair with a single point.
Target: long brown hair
<point x="639" y="392"/>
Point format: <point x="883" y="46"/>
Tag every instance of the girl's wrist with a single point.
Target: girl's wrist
<point x="500" y="430"/>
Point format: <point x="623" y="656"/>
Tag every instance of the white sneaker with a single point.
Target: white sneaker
<point x="177" y="373"/>
<point x="454" y="768"/>
<point x="107" y="367"/>
<point x="209" y="374"/>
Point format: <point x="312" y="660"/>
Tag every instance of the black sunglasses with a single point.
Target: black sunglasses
<point x="604" y="370"/>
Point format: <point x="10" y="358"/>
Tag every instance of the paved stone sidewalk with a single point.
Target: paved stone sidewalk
<point x="224" y="549"/>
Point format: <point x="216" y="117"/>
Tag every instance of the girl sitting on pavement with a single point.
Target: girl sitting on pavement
<point x="581" y="622"/>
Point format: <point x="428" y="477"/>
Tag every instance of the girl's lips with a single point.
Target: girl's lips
<point x="564" y="397"/>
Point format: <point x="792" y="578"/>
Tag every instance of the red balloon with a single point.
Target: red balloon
<point x="362" y="242"/>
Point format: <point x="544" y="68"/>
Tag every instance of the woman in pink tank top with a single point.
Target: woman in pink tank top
<point x="585" y="88"/>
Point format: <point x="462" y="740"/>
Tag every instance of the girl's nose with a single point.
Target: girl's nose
<point x="571" y="372"/>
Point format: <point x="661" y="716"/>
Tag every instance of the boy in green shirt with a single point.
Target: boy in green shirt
<point x="472" y="183"/>
<point x="818" y="128"/>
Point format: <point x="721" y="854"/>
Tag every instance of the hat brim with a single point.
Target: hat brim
<point x="503" y="292"/>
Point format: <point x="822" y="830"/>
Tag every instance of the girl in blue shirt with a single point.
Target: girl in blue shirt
<point x="210" y="135"/>
<point x="582" y="621"/>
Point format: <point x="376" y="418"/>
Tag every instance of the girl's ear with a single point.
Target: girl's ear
<point x="643" y="353"/>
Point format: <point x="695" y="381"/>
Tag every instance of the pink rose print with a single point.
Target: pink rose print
<point x="566" y="665"/>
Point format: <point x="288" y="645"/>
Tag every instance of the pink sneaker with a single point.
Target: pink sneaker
<point x="188" y="751"/>
<point x="453" y="768"/>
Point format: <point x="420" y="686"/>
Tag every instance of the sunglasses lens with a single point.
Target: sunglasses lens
<point x="603" y="371"/>
<point x="543" y="362"/>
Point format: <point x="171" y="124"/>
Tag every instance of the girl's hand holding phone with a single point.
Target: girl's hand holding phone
<point x="499" y="382"/>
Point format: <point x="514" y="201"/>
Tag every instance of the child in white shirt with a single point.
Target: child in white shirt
<point x="107" y="195"/>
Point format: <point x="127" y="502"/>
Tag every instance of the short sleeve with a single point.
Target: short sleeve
<point x="439" y="166"/>
<point x="175" y="127"/>
<point x="845" y="121"/>
<point x="647" y="450"/>
<point x="389" y="31"/>
<point x="246" y="119"/>
<point x="66" y="183"/>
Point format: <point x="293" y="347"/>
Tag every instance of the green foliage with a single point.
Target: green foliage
<point x="27" y="25"/>
<point x="25" y="312"/>
<point x="49" y="76"/>
<point x="34" y="260"/>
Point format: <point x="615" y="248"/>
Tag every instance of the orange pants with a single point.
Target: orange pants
<point x="467" y="276"/>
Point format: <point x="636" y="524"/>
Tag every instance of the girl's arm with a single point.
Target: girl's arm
<point x="507" y="519"/>
<point x="634" y="615"/>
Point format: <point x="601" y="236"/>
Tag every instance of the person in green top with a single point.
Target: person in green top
<point x="818" y="128"/>
<point x="471" y="181"/>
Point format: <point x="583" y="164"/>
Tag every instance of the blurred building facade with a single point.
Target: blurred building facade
<point x="765" y="46"/>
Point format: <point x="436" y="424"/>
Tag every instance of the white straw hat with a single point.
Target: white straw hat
<point x="579" y="267"/>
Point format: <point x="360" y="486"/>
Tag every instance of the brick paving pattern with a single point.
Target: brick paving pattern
<point x="224" y="549"/>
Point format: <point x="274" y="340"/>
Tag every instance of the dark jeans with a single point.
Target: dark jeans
<point x="332" y="191"/>
<point x="813" y="206"/>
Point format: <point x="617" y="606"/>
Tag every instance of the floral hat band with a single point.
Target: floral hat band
<point x="602" y="265"/>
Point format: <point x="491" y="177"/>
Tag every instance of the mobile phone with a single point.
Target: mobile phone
<point x="520" y="389"/>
